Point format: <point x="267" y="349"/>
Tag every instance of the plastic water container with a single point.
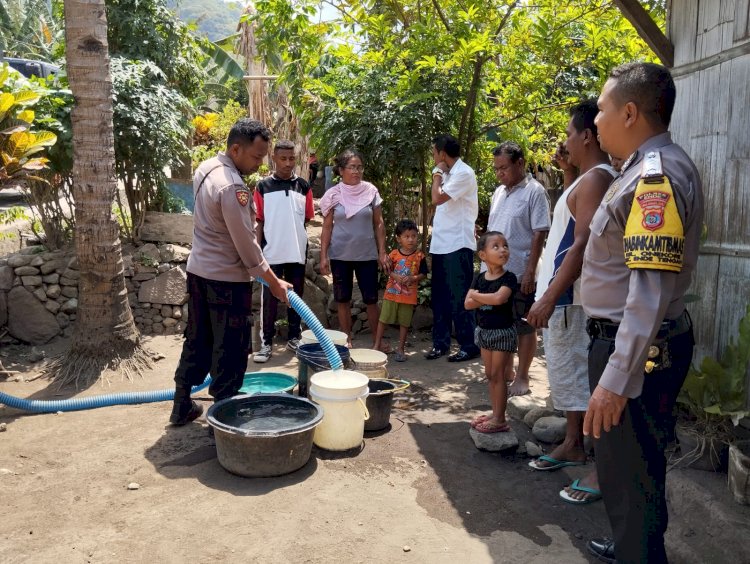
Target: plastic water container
<point x="337" y="337"/>
<point x="312" y="358"/>
<point x="369" y="362"/>
<point x="341" y="394"/>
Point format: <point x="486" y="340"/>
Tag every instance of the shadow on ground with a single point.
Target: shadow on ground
<point x="490" y="492"/>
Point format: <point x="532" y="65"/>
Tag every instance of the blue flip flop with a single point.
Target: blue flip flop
<point x="554" y="463"/>
<point x="594" y="494"/>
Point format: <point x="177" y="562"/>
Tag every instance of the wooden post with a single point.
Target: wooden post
<point x="637" y="15"/>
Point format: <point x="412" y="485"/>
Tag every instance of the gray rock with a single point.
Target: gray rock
<point x="145" y="305"/>
<point x="310" y="269"/>
<point x="316" y="299"/>
<point x="519" y="406"/>
<point x="53" y="278"/>
<point x="537" y="413"/>
<point x="362" y="316"/>
<point x="180" y="327"/>
<point x="35" y="355"/>
<point x="53" y="291"/>
<point x="163" y="267"/>
<point x="33" y="250"/>
<point x="422" y="318"/>
<point x="28" y="320"/>
<point x="166" y="311"/>
<point x="52" y="265"/>
<point x="67" y="281"/>
<point x="157" y="319"/>
<point x="26" y="271"/>
<point x="323" y="283"/>
<point x="494" y="442"/>
<point x="177" y="312"/>
<point x="40" y="294"/>
<point x="3" y="308"/>
<point x="31" y="281"/>
<point x="184" y="311"/>
<point x="550" y="429"/>
<point x="71" y="274"/>
<point x="15" y="261"/>
<point x="70" y="291"/>
<point x="167" y="288"/>
<point x="169" y="322"/>
<point x="6" y="277"/>
<point x="52" y="306"/>
<point x="150" y="251"/>
<point x="62" y="319"/>
<point x="173" y="253"/>
<point x="533" y="450"/>
<point x="70" y="306"/>
<point x="73" y="263"/>
<point x="157" y="328"/>
<point x="37" y="261"/>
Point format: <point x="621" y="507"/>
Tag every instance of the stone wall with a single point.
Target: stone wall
<point x="39" y="293"/>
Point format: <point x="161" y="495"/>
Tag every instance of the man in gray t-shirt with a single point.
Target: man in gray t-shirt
<point x="520" y="211"/>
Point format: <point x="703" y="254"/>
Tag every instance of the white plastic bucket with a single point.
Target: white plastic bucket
<point x="341" y="394"/>
<point x="369" y="362"/>
<point x="337" y="337"/>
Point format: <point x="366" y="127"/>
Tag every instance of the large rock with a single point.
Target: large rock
<point x="150" y="251"/>
<point x="28" y="320"/>
<point x="167" y="288"/>
<point x="15" y="261"/>
<point x="316" y="299"/>
<point x="422" y="318"/>
<point x="536" y="414"/>
<point x="31" y="281"/>
<point x="6" y="278"/>
<point x="53" y="265"/>
<point x="26" y="271"/>
<point x="519" y="406"/>
<point x="550" y="429"/>
<point x="494" y="442"/>
<point x="173" y="253"/>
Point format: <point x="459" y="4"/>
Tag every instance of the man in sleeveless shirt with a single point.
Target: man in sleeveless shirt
<point x="558" y="302"/>
<point x="638" y="263"/>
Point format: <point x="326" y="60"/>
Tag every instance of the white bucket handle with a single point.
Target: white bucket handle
<point x="314" y="395"/>
<point x="364" y="408"/>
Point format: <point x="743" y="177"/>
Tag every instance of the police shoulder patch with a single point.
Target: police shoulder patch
<point x="243" y="196"/>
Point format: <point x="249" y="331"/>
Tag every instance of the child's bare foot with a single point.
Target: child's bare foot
<point x="519" y="387"/>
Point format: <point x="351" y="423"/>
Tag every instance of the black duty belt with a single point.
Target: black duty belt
<point x="607" y="330"/>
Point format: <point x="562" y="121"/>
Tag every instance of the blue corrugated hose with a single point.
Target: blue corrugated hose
<point x="93" y="402"/>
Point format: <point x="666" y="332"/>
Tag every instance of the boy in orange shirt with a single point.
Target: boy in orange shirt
<point x="408" y="268"/>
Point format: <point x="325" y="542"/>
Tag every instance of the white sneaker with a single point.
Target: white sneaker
<point x="263" y="354"/>
<point x="292" y="344"/>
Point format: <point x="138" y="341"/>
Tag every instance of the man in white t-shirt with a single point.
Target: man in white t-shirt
<point x="520" y="211"/>
<point x="454" y="193"/>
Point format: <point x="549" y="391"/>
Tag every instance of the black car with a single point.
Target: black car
<point x="30" y="68"/>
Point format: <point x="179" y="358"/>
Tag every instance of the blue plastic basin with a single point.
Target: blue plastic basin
<point x="267" y="383"/>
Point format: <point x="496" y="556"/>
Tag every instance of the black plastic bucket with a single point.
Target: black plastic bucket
<point x="264" y="435"/>
<point x="312" y="359"/>
<point x="379" y="403"/>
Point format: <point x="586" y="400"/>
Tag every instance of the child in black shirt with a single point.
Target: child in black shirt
<point x="491" y="294"/>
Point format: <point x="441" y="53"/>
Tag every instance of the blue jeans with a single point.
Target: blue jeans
<point x="452" y="274"/>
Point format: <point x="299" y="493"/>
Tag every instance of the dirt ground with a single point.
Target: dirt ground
<point x="418" y="492"/>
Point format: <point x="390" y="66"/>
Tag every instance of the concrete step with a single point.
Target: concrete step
<point x="705" y="523"/>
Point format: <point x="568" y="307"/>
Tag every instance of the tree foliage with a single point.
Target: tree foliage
<point x="388" y="74"/>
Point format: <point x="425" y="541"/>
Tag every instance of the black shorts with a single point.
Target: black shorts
<point x="522" y="305"/>
<point x="367" y="279"/>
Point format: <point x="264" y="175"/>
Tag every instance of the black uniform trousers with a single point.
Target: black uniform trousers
<point x="217" y="337"/>
<point x="452" y="274"/>
<point x="294" y="273"/>
<point x="630" y="458"/>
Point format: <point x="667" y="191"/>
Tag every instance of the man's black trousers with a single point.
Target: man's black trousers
<point x="294" y="273"/>
<point x="217" y="336"/>
<point x="630" y="458"/>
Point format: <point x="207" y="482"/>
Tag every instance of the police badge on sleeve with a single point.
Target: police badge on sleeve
<point x="243" y="196"/>
<point x="654" y="234"/>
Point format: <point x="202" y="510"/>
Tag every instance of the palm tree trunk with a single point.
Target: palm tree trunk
<point x="105" y="335"/>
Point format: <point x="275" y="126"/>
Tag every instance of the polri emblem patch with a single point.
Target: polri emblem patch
<point x="652" y="206"/>
<point x="243" y="196"/>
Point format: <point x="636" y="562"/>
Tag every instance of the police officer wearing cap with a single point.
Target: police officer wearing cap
<point x="637" y="266"/>
<point x="224" y="258"/>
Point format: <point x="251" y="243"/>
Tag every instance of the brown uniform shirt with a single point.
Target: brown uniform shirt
<point x="638" y="299"/>
<point x="224" y="243"/>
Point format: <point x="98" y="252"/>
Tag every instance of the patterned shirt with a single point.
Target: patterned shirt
<point x="404" y="265"/>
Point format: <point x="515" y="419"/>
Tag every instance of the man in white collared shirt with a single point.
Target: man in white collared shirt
<point x="454" y="193"/>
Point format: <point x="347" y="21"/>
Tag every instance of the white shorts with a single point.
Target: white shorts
<point x="566" y="348"/>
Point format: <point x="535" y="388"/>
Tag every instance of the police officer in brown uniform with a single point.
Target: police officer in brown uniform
<point x="224" y="258"/>
<point x="637" y="266"/>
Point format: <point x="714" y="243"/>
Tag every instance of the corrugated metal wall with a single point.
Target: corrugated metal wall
<point x="712" y="122"/>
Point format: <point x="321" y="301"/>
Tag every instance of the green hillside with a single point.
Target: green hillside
<point x="215" y="18"/>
